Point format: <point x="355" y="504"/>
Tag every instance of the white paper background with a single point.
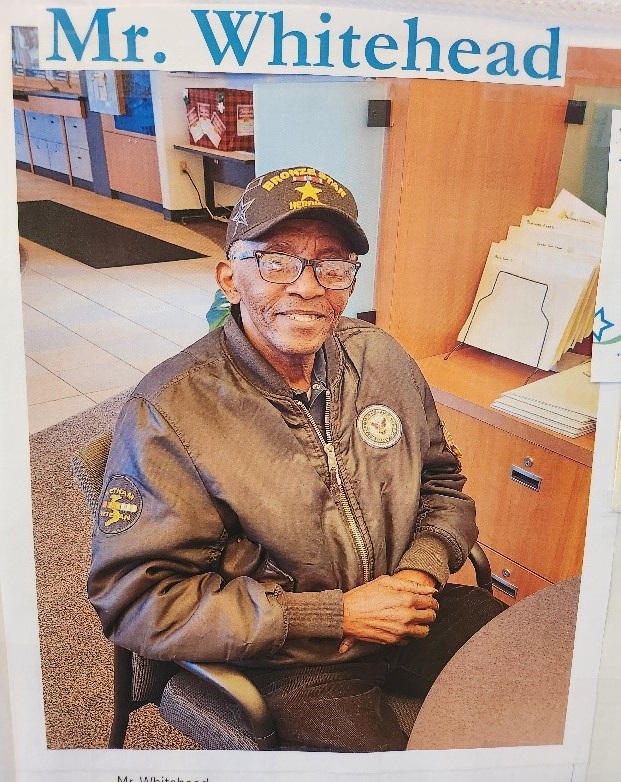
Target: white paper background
<point x="607" y="352"/>
<point x="187" y="49"/>
<point x="567" y="762"/>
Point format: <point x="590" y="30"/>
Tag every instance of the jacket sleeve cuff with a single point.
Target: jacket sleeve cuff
<point x="429" y="554"/>
<point x="313" y="614"/>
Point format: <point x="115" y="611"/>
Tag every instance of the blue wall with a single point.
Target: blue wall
<point x="324" y="124"/>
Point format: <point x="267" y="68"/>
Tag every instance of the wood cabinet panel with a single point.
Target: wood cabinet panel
<point x="520" y="582"/>
<point x="133" y="166"/>
<point x="462" y="162"/>
<point x="65" y="107"/>
<point x="541" y="530"/>
<point x="514" y="582"/>
<point x="459" y="179"/>
<point x="472" y="379"/>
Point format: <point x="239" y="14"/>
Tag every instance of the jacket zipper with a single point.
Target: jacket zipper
<point x="336" y="484"/>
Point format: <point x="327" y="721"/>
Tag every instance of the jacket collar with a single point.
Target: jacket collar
<point x="261" y="373"/>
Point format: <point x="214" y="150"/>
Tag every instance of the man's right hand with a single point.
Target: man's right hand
<point x="387" y="610"/>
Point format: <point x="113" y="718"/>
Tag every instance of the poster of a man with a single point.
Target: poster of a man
<point x="282" y="494"/>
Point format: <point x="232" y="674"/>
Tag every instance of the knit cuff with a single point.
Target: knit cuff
<point x="313" y="614"/>
<point x="427" y="553"/>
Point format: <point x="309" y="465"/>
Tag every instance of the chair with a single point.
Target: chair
<point x="212" y="703"/>
<point x="237" y="715"/>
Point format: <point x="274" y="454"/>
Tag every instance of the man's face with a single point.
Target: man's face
<point x="287" y="321"/>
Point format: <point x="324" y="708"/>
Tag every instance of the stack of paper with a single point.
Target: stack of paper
<point x="536" y="297"/>
<point x="565" y="402"/>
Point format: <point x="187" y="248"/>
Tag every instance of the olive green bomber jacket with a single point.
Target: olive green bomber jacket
<point x="228" y="530"/>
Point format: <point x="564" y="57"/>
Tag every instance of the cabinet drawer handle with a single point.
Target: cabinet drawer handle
<point x="506" y="587"/>
<point x="528" y="479"/>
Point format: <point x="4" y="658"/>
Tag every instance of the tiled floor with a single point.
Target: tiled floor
<point x="89" y="333"/>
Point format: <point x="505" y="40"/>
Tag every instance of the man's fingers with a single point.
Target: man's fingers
<point x="394" y="633"/>
<point x="419" y="602"/>
<point x="346" y="644"/>
<point x="425" y="603"/>
<point x="423" y="618"/>
<point x="420" y="597"/>
<point x="403" y="585"/>
<point x="420" y="631"/>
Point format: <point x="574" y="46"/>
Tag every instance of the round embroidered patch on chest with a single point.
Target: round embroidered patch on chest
<point x="120" y="507"/>
<point x="379" y="426"/>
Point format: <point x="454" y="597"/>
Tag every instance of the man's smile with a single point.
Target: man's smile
<point x="303" y="317"/>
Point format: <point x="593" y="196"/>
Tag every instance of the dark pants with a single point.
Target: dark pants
<point x="343" y="707"/>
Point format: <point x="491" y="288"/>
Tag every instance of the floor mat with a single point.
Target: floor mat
<point x="91" y="240"/>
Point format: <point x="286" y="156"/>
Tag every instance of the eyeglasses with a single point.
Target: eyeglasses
<point x="332" y="273"/>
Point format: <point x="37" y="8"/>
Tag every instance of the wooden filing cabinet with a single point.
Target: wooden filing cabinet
<point x="530" y="485"/>
<point x="132" y="161"/>
<point x="133" y="165"/>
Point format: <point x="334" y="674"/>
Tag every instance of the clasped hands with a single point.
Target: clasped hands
<point x="389" y="609"/>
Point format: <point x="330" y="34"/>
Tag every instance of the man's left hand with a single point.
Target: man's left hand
<point x="419" y="576"/>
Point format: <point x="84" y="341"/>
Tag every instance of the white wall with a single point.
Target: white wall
<point x="171" y="128"/>
<point x="323" y="124"/>
<point x="298" y="121"/>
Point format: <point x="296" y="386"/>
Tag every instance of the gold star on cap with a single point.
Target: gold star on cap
<point x="308" y="191"/>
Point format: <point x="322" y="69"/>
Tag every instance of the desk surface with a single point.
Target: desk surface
<point x="508" y="685"/>
<point x="471" y="379"/>
<point x="244" y="157"/>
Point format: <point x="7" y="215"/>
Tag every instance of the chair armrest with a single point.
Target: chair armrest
<point x="482" y="567"/>
<point x="233" y="683"/>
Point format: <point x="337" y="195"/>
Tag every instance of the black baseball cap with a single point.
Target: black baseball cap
<point x="302" y="192"/>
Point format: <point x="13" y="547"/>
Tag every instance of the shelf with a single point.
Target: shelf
<point x="63" y="105"/>
<point x="471" y="379"/>
<point x="243" y="157"/>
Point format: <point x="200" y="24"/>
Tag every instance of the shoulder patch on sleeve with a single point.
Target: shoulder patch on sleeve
<point x="120" y="506"/>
